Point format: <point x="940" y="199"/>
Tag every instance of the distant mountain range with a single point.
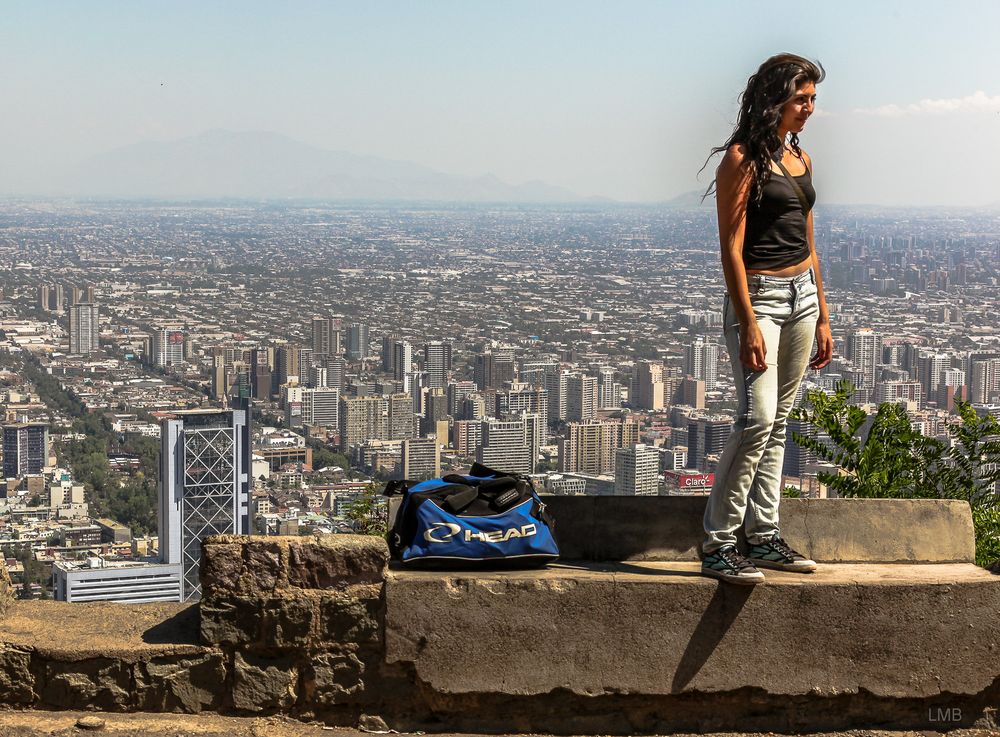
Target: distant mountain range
<point x="257" y="165"/>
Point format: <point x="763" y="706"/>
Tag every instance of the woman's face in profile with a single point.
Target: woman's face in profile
<point x="796" y="111"/>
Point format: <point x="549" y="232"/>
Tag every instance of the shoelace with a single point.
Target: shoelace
<point x="782" y="547"/>
<point x="734" y="559"/>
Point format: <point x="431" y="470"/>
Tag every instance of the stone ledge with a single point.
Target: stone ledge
<point x="658" y="629"/>
<point x="829" y="530"/>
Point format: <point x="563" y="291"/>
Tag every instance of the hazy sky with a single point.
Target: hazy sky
<point x="619" y="98"/>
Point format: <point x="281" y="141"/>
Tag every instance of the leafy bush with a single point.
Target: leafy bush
<point x="896" y="461"/>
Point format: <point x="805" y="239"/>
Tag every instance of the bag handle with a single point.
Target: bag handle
<point x="799" y="194"/>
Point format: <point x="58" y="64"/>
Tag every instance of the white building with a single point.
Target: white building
<point x="97" y="579"/>
<point x="637" y="471"/>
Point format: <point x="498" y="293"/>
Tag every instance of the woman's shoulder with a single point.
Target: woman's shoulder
<point x="735" y="159"/>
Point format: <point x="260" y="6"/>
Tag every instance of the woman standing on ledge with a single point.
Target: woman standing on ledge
<point x="773" y="307"/>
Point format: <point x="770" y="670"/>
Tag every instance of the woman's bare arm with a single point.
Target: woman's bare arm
<point x="824" y="339"/>
<point x="732" y="192"/>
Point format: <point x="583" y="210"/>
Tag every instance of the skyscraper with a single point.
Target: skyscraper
<point x="506" y="446"/>
<point x="608" y="390"/>
<point x="437" y="363"/>
<point x="706" y="436"/>
<point x="168" y="347"/>
<point x="648" y="386"/>
<point x="363" y="418"/>
<point x="204" y="485"/>
<point x="326" y="333"/>
<point x="589" y="447"/>
<point x="581" y="398"/>
<point x="637" y="469"/>
<point x="402" y="360"/>
<point x="494" y="368"/>
<point x="703" y="362"/>
<point x="357" y="341"/>
<point x="321" y="407"/>
<point x="401" y="418"/>
<point x="25" y="449"/>
<point x="864" y="350"/>
<point x="83" y="329"/>
<point x="421" y="458"/>
<point x="556" y="386"/>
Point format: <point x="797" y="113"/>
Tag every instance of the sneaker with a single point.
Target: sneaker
<point x="728" y="564"/>
<point x="775" y="553"/>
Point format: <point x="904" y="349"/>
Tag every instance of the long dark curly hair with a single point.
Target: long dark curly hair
<point x="774" y="84"/>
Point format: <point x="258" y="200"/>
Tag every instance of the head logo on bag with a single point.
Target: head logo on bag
<point x="451" y="527"/>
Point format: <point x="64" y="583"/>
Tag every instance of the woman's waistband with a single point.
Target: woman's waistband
<point x="804" y="278"/>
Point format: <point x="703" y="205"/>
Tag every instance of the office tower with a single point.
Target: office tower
<point x="25" y="449"/>
<point x="899" y="391"/>
<point x="702" y="360"/>
<point x="415" y="384"/>
<point x="457" y="392"/>
<point x="402" y="360"/>
<point x="953" y="377"/>
<point x="473" y="408"/>
<point x="363" y="418"/>
<point x="609" y="391"/>
<point x="983" y="377"/>
<point x="864" y="350"/>
<point x="83" y="329"/>
<point x="930" y="370"/>
<point x="691" y="393"/>
<point x="357" y="341"/>
<point x="706" y="436"/>
<point x="388" y="341"/>
<point x="306" y="361"/>
<point x="556" y="384"/>
<point x="43" y="297"/>
<point x="336" y="372"/>
<point x="287" y="363"/>
<point x="581" y="398"/>
<point x="435" y="411"/>
<point x="534" y="372"/>
<point x="261" y="360"/>
<point x="505" y="446"/>
<point x="56" y="301"/>
<point x="648" y="386"/>
<point x="637" y="471"/>
<point x="326" y="336"/>
<point x="437" y="363"/>
<point x="522" y="398"/>
<point x="204" y="485"/>
<point x="798" y="457"/>
<point x="168" y="347"/>
<point x="401" y="417"/>
<point x="421" y="458"/>
<point x="467" y="435"/>
<point x="494" y="368"/>
<point x="320" y="407"/>
<point x="590" y="447"/>
<point x="318" y="376"/>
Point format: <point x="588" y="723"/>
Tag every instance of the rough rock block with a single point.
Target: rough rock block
<point x="263" y="684"/>
<point x="333" y="679"/>
<point x="17" y="684"/>
<point x="97" y="683"/>
<point x="246" y="567"/>
<point x="181" y="684"/>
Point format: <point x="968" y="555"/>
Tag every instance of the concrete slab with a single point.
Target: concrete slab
<point x="659" y="628"/>
<point x="829" y="530"/>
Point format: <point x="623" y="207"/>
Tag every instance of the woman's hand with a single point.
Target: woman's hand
<point x="753" y="351"/>
<point x="824" y="346"/>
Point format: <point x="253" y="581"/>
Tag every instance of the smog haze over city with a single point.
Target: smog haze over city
<point x="397" y="238"/>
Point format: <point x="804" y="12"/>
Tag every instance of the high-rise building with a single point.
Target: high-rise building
<point x="401" y="417"/>
<point x="648" y="386"/>
<point x="336" y="372"/>
<point x="467" y="435"/>
<point x="930" y="370"/>
<point x="326" y="332"/>
<point x="864" y="350"/>
<point x="590" y="447"/>
<point x="402" y="360"/>
<point x="83" y="329"/>
<point x="609" y="391"/>
<point x="421" y="458"/>
<point x="581" y="398"/>
<point x="637" y="471"/>
<point x="692" y="393"/>
<point x="457" y="392"/>
<point x="25" y="449"/>
<point x="702" y="359"/>
<point x="320" y="407"/>
<point x="357" y="341"/>
<point x="261" y="360"/>
<point x="506" y="445"/>
<point x="204" y="485"/>
<point x="983" y="377"/>
<point x="437" y="363"/>
<point x="363" y="418"/>
<point x="43" y="297"/>
<point x="521" y="398"/>
<point x="388" y="341"/>
<point x="706" y="436"/>
<point x="435" y="411"/>
<point x="557" y="386"/>
<point x="899" y="391"/>
<point x="168" y="347"/>
<point x="798" y="457"/>
<point x="287" y="363"/>
<point x="494" y="368"/>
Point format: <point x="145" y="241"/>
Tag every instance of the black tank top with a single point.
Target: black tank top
<point x="775" y="234"/>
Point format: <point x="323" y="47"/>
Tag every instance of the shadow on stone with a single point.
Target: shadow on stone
<point x="658" y="571"/>
<point x="725" y="606"/>
<point x="180" y="629"/>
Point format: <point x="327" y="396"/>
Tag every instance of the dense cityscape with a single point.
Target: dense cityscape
<point x="337" y="347"/>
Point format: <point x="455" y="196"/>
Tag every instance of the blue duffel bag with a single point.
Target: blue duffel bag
<point x="484" y="519"/>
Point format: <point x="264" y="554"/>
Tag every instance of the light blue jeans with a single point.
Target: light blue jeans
<point x="747" y="488"/>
